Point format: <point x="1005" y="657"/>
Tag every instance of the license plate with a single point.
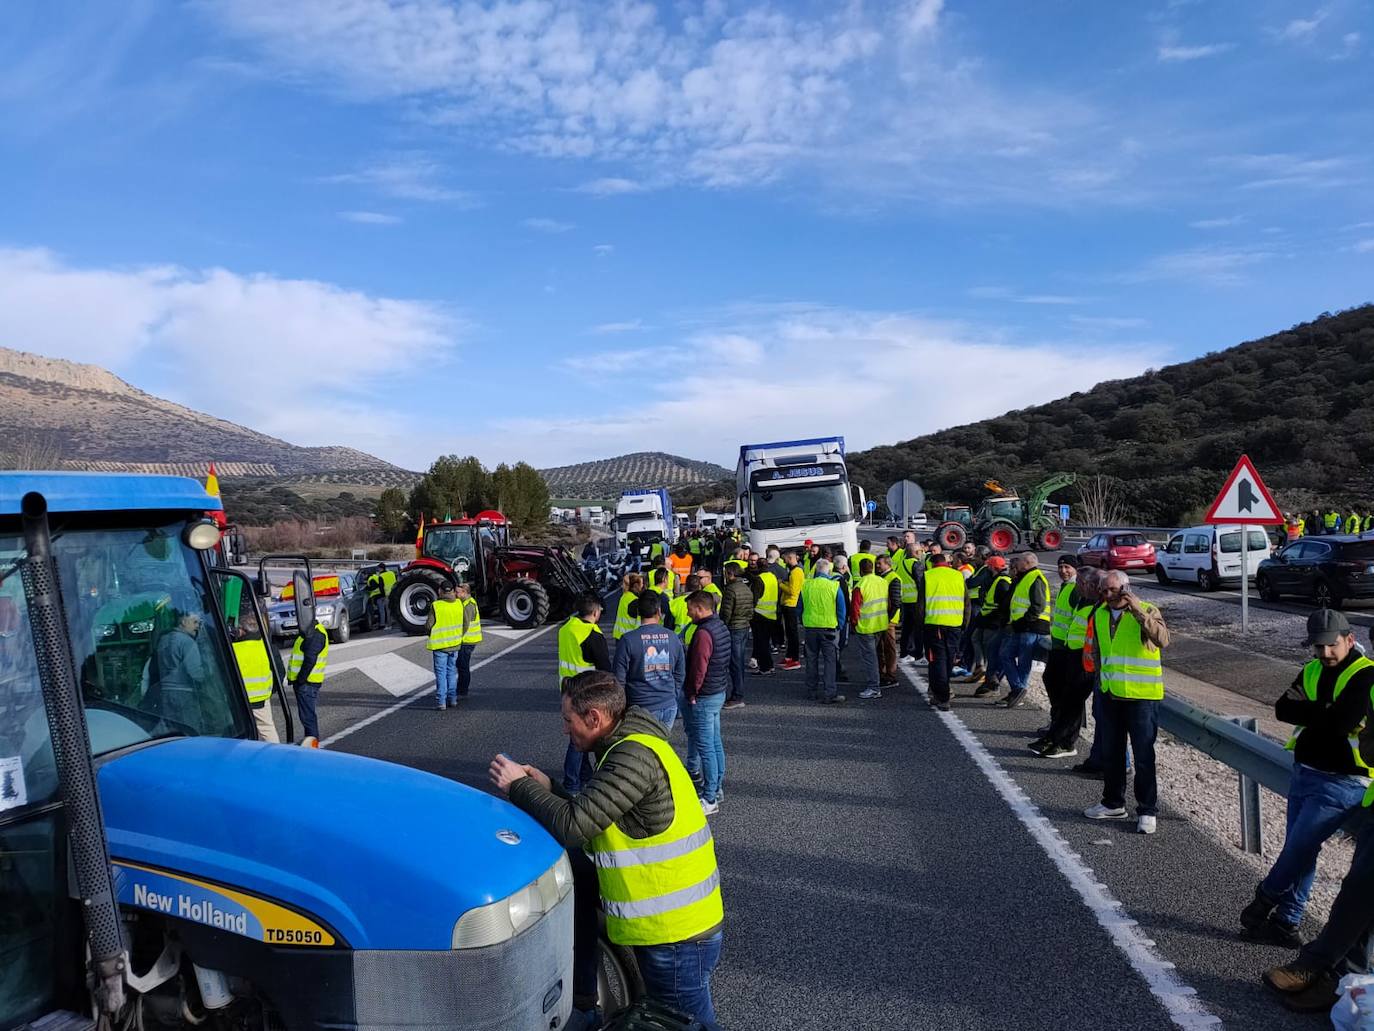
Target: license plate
<point x="1135" y="562"/>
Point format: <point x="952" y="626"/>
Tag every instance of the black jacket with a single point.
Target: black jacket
<point x="312" y="643"/>
<point x="1328" y="726"/>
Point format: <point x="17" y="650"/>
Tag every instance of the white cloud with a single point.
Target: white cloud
<point x="618" y="327"/>
<point x="1210" y="266"/>
<point x="603" y="250"/>
<point x="370" y="218"/>
<point x="611" y="187"/>
<point x="259" y="330"/>
<point x="1175" y="54"/>
<point x="547" y="225"/>
<point x="1270" y="170"/>
<point x="1002" y="293"/>
<point x="885" y="352"/>
<point x="1364" y="246"/>
<point x="1302" y="28"/>
<point x="407" y="177"/>
<point x="1217" y="223"/>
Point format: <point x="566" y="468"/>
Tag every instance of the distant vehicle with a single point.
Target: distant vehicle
<point x="340" y="605"/>
<point x="1209" y="556"/>
<point x="644" y="515"/>
<point x="792" y="491"/>
<point x="1004" y="521"/>
<point x="1126" y="550"/>
<point x="1329" y="570"/>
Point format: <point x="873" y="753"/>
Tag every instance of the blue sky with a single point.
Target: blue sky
<point x="557" y="230"/>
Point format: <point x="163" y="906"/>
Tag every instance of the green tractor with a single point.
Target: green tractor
<point x="1007" y="522"/>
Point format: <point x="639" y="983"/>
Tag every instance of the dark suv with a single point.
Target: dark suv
<point x="1329" y="570"/>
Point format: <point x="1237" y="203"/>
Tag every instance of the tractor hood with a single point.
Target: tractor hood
<point x="387" y="856"/>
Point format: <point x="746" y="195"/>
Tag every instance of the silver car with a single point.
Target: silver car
<point x="339" y="613"/>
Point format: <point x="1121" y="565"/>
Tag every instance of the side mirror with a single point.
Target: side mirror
<point x="262" y="587"/>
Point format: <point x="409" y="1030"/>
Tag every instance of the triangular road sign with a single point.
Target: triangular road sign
<point x="1244" y="499"/>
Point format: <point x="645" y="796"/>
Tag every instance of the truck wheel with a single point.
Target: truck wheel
<point x="524" y="604"/>
<point x="1049" y="540"/>
<point x="341" y="633"/>
<point x="951" y="536"/>
<point x="1001" y="537"/>
<point x="413" y="597"/>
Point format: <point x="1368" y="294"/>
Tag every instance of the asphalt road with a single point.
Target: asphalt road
<point x="873" y="875"/>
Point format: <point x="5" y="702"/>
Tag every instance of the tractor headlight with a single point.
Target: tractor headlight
<point x="505" y="918"/>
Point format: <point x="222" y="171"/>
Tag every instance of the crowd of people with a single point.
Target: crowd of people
<point x="1317" y="522"/>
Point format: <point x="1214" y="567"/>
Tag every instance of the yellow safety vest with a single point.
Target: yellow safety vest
<point x="298" y="658"/>
<point x="388" y="582"/>
<point x="447" y="631"/>
<point x="990" y="598"/>
<point x="624" y="622"/>
<point x="474" y="634"/>
<point x="873" y="611"/>
<point x="1130" y="667"/>
<point x="1063" y="612"/>
<point x="1020" y="599"/>
<point x="902" y="567"/>
<point x="1077" y="637"/>
<point x="713" y="589"/>
<point x="664" y="888"/>
<point x="767" y="605"/>
<point x="944" y="597"/>
<point x="1311" y="673"/>
<point x="374" y="586"/>
<point x="571" y="636"/>
<point x="896" y="618"/>
<point x="818" y="603"/>
<point x="256" y="669"/>
<point x="681" y="620"/>
<point x="789" y="589"/>
<point x="808" y="564"/>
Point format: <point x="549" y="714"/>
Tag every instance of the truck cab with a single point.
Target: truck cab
<point x="257" y="885"/>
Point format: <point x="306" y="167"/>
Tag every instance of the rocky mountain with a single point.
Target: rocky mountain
<point x="607" y="477"/>
<point x="85" y="417"/>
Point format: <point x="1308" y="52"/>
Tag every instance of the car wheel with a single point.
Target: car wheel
<point x="1265" y="586"/>
<point x="1207" y="580"/>
<point x="341" y="633"/>
<point x="1325" y="595"/>
<point x="1161" y="575"/>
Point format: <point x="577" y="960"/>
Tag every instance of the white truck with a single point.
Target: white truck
<point x="792" y="491"/>
<point x="643" y="517"/>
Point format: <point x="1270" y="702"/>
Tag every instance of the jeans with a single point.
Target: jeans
<point x="465" y="668"/>
<point x="666" y="716"/>
<point x="679" y="975"/>
<point x="306" y="693"/>
<point x="739" y="662"/>
<point x="378" y="606"/>
<point x="1318" y="803"/>
<point x="763" y="629"/>
<point x="942" y="644"/>
<point x="820" y="662"/>
<point x="702" y="719"/>
<point x="1097" y="755"/>
<point x="791" y="626"/>
<point x="1346" y="943"/>
<point x="577" y="769"/>
<point x="1138" y="720"/>
<point x="445" y="674"/>
<point x="867" y="647"/>
<point x="992" y="653"/>
<point x="1018" y="651"/>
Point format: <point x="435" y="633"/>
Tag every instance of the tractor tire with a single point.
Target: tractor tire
<point x="412" y="598"/>
<point x="951" y="536"/>
<point x="1049" y="539"/>
<point x="1002" y="537"/>
<point x="524" y="604"/>
<point x="341" y="633"/>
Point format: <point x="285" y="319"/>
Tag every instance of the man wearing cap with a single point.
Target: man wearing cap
<point x="993" y="614"/>
<point x="1329" y="705"/>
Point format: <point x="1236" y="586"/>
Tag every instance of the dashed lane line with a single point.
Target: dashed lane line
<point x="1178" y="999"/>
<point x="410" y="696"/>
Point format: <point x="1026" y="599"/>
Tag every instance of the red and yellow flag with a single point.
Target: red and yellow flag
<point x="212" y="482"/>
<point x="420" y="536"/>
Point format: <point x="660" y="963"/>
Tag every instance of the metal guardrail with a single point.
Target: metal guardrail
<point x="1238" y="744"/>
<point x="1153" y="534"/>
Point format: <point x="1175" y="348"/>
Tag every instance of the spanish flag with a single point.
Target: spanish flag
<point x="420" y="536"/>
<point x="212" y="482"/>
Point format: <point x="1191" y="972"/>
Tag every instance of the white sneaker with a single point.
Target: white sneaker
<point x="869" y="693"/>
<point x="1102" y="812"/>
<point x="310" y="742"/>
<point x="1146" y="825"/>
<point x="710" y="808"/>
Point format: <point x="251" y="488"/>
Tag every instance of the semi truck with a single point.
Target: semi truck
<point x="792" y="491"/>
<point x="162" y="867"/>
<point x="643" y="517"/>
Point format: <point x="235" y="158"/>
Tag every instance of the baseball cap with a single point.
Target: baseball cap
<point x="1325" y="625"/>
<point x="997" y="562"/>
<point x="807" y="543"/>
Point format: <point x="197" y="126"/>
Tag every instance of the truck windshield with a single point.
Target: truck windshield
<point x="774" y="507"/>
<point x="151" y="656"/>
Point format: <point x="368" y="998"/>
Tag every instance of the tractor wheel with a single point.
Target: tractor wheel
<point x="524" y="604"/>
<point x="1049" y="540"/>
<point x="413" y="597"/>
<point x="1002" y="537"/>
<point x="951" y="536"/>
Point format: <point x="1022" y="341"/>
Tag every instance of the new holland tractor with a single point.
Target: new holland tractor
<point x="1006" y="521"/>
<point x="524" y="584"/>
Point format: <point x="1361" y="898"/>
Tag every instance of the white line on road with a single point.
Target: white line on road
<point x="406" y="700"/>
<point x="1177" y="998"/>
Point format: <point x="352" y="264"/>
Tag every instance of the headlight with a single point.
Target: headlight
<point x="505" y="918"/>
<point x="324" y="611"/>
<point x="143" y="626"/>
<point x="106" y="630"/>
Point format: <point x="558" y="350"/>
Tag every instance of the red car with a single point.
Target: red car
<point x="1119" y="549"/>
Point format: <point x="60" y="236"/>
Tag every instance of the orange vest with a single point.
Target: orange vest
<point x="681" y="565"/>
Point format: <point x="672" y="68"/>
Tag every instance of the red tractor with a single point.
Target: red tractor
<point x="524" y="584"/>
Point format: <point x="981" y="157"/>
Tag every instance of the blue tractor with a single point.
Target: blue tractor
<point x="160" y="866"/>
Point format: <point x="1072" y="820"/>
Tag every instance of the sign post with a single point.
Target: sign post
<point x="1244" y="500"/>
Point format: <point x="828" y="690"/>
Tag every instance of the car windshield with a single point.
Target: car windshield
<point x="151" y="656"/>
<point x="774" y="507"/>
<point x="1127" y="540"/>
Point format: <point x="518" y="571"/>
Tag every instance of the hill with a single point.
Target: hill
<point x="609" y="476"/>
<point x="89" y="418"/>
<point x="1299" y="402"/>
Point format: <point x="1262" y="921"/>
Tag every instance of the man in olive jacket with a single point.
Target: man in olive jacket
<point x="631" y="792"/>
<point x="737" y="612"/>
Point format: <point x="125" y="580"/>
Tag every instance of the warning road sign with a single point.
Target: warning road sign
<point x="1244" y="499"/>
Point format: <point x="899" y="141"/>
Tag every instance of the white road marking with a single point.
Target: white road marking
<point x="1178" y="999"/>
<point x="393" y="673"/>
<point x="407" y="699"/>
<point x="384" y="642"/>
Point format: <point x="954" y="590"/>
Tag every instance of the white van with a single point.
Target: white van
<point x="1209" y="556"/>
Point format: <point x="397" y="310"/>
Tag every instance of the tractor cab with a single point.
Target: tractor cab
<point x="957" y="514"/>
<point x="1002" y="507"/>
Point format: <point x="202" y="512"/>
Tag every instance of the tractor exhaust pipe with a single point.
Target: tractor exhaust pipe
<point x="72" y="748"/>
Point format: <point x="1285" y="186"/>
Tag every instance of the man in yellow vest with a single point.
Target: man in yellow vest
<point x="942" y="615"/>
<point x="255" y="666"/>
<point x="1128" y="638"/>
<point x="869" y="620"/>
<point x="908" y="568"/>
<point x="1028" y="629"/>
<point x="789" y="596"/>
<point x="1061" y="740"/>
<point x="822" y="611"/>
<point x="763" y="582"/>
<point x="1060" y="663"/>
<point x="581" y="648"/>
<point x="472" y="637"/>
<point x="646" y="831"/>
<point x="887" y="641"/>
<point x="1329" y="705"/>
<point x="445" y="625"/>
<point x="309" y="660"/>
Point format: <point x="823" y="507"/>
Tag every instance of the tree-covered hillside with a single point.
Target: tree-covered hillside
<point x="1300" y="403"/>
